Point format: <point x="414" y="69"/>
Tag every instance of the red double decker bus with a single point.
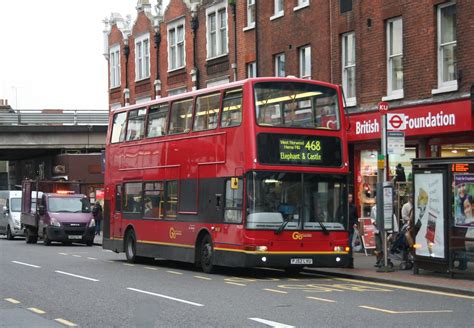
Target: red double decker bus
<point x="248" y="174"/>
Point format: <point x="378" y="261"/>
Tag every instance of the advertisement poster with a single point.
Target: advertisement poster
<point x="367" y="233"/>
<point x="429" y="210"/>
<point x="464" y="200"/>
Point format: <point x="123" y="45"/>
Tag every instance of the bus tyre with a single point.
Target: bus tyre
<point x="30" y="237"/>
<point x="206" y="256"/>
<point x="9" y="234"/>
<point x="131" y="247"/>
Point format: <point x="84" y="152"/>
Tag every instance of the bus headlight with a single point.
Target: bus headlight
<point x="261" y="248"/>
<point x="341" y="249"/>
<point x="92" y="223"/>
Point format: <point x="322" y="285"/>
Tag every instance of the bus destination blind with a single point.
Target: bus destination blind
<point x="299" y="150"/>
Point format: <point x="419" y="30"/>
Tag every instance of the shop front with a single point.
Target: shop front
<point x="433" y="130"/>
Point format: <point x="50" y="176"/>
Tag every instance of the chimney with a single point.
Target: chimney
<point x="1" y="102"/>
<point x="6" y="102"/>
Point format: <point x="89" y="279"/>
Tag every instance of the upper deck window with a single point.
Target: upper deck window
<point x="299" y="105"/>
<point x="232" y="108"/>
<point x="181" y="116"/>
<point x="118" y="128"/>
<point x="157" y="121"/>
<point x="136" y="124"/>
<point x="207" y="112"/>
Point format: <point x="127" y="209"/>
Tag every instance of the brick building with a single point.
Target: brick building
<point x="414" y="55"/>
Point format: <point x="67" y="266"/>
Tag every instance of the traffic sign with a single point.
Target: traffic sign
<point x="395" y="142"/>
<point x="383" y="107"/>
<point x="396" y="122"/>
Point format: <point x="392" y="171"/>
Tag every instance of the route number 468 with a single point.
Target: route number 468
<point x="313" y="145"/>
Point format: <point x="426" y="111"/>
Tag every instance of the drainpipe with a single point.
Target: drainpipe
<point x="234" y="16"/>
<point x="257" y="69"/>
<point x="126" y="91"/>
<point x="195" y="70"/>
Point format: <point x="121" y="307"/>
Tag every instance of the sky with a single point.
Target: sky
<point x="51" y="52"/>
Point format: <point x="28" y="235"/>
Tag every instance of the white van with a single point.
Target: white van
<point x="10" y="211"/>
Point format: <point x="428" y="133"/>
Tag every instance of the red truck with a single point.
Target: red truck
<point x="56" y="211"/>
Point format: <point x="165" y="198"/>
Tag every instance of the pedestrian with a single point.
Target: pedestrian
<point x="407" y="210"/>
<point x="400" y="173"/>
<point x="378" y="237"/>
<point x="97" y="212"/>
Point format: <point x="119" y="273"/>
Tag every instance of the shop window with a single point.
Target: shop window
<point x="457" y="150"/>
<point x="368" y="181"/>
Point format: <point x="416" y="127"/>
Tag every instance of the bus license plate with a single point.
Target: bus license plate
<point x="74" y="237"/>
<point x="301" y="261"/>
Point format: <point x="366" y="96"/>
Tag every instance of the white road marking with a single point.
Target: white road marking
<point x="275" y="291"/>
<point x="271" y="323"/>
<point x="92" y="258"/>
<point x="36" y="310"/>
<point x="151" y="268"/>
<point x="174" y="272"/>
<point x="403" y="312"/>
<point x="321" y="299"/>
<point x="107" y="250"/>
<point x="235" y="283"/>
<point x="164" y="296"/>
<point x="203" y="278"/>
<point x="65" y="322"/>
<point x="63" y="253"/>
<point x="77" y="276"/>
<point x="75" y="255"/>
<point x="129" y="264"/>
<point x="12" y="300"/>
<point x="26" y="264"/>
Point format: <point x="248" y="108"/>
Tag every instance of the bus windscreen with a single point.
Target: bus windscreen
<point x="296" y="105"/>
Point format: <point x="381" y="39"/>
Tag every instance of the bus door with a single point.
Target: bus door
<point x="116" y="214"/>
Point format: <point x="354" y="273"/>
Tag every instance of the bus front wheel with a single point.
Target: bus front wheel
<point x="206" y="256"/>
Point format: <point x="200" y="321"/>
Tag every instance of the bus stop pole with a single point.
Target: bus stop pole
<point x="381" y="181"/>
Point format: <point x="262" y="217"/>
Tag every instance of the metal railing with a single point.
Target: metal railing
<point x="60" y="117"/>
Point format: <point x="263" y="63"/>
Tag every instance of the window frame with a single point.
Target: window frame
<point x="140" y="116"/>
<point x="250" y="15"/>
<point x="221" y="42"/>
<point x="350" y="101"/>
<point x="278" y="9"/>
<point x="118" y="136"/>
<point x="278" y="66"/>
<point x="114" y="63"/>
<point x="451" y="85"/>
<point x="251" y="69"/>
<point x="178" y="46"/>
<point x="304" y="52"/>
<point x="188" y="122"/>
<point x="390" y="28"/>
<point x="142" y="57"/>
<point x="300" y="4"/>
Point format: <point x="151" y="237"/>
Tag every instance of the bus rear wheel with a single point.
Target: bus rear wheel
<point x="131" y="248"/>
<point x="206" y="255"/>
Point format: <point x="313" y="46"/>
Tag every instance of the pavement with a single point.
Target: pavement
<point x="364" y="270"/>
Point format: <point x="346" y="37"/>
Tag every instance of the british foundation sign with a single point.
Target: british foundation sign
<point x="420" y="120"/>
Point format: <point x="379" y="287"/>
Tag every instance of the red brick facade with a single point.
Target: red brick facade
<point x="319" y="25"/>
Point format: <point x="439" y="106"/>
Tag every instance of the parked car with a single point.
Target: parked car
<point x="10" y="212"/>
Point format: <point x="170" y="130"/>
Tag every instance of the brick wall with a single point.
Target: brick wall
<point x="321" y="26"/>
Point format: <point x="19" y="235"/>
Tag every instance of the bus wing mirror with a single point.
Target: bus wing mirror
<point x="41" y="210"/>
<point x="5" y="209"/>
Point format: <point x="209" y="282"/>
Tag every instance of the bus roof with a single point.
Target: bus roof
<point x="229" y="85"/>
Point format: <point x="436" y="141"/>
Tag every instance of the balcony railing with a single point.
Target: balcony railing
<point x="60" y="117"/>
